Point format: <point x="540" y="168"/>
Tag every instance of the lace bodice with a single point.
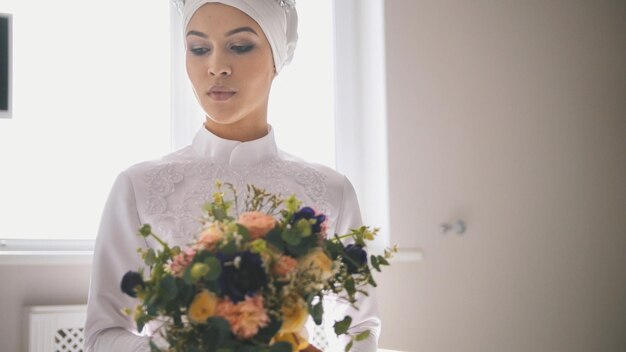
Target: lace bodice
<point x="175" y="191"/>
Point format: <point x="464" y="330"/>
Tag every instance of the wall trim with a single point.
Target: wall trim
<point x="45" y="252"/>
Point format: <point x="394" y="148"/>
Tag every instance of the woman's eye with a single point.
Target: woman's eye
<point x="199" y="51"/>
<point x="240" y="49"/>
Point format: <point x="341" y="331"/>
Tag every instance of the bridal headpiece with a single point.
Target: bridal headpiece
<point x="277" y="18"/>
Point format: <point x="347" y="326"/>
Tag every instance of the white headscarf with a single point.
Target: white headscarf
<point x="277" y="18"/>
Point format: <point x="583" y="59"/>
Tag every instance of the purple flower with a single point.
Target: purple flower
<point x="242" y="275"/>
<point x="355" y="257"/>
<point x="130" y="281"/>
<point x="308" y="213"/>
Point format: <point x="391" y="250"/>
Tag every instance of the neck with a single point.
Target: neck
<point x="242" y="131"/>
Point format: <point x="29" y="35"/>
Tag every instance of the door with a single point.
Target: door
<point x="511" y="116"/>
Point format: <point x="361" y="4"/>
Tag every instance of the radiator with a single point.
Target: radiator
<point x="61" y="329"/>
<point x="54" y="328"/>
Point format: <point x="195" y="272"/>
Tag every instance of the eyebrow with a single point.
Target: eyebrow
<point x="241" y="29"/>
<point x="229" y="33"/>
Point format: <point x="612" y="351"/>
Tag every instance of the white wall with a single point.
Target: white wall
<point x="29" y="285"/>
<point x="532" y="95"/>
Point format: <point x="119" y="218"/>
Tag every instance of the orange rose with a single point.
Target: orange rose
<point x="209" y="238"/>
<point x="257" y="223"/>
<point x="284" y="265"/>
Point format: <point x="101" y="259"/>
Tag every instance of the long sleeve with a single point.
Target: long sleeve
<point x="367" y="316"/>
<point x="106" y="328"/>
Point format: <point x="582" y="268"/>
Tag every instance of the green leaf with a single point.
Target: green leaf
<point x="152" y="305"/>
<point x="375" y="263"/>
<point x="349" y="345"/>
<point x="292" y="203"/>
<point x="266" y="334"/>
<point x="274" y="238"/>
<point x="218" y="212"/>
<point x="141" y="322"/>
<point x="349" y="285"/>
<point x="304" y="227"/>
<point x="363" y="335"/>
<point x="341" y="327"/>
<point x="150" y="258"/>
<point x="316" y="311"/>
<point x="187" y="276"/>
<point x="334" y="249"/>
<point x="185" y="293"/>
<point x="221" y="325"/>
<point x="243" y="231"/>
<point x="382" y="260"/>
<point x="291" y="236"/>
<point x="168" y="285"/>
<point x="215" y="268"/>
<point x="230" y="248"/>
<point x="198" y="270"/>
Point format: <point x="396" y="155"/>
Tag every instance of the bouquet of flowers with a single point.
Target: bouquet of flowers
<point x="249" y="282"/>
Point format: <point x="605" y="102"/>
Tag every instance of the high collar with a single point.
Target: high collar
<point x="230" y="152"/>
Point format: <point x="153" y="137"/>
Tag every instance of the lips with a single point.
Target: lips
<point x="221" y="93"/>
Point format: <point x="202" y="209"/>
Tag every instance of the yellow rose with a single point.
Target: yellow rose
<point x="298" y="343"/>
<point x="202" y="307"/>
<point x="295" y="315"/>
<point x="319" y="261"/>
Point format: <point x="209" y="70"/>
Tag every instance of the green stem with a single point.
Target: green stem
<point x="339" y="238"/>
<point x="165" y="246"/>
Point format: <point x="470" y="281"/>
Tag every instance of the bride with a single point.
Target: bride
<point x="234" y="49"/>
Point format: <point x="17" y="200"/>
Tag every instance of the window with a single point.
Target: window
<point x="82" y="110"/>
<point x="92" y="96"/>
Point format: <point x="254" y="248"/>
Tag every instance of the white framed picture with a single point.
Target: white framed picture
<point x="5" y="65"/>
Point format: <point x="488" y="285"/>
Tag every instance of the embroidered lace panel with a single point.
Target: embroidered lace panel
<point x="177" y="191"/>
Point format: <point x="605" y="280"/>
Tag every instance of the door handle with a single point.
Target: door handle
<point x="459" y="227"/>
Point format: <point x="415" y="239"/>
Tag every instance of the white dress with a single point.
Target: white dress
<point x="168" y="194"/>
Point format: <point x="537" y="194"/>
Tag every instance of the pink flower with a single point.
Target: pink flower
<point x="209" y="238"/>
<point x="257" y="223"/>
<point x="181" y="261"/>
<point x="226" y="308"/>
<point x="284" y="265"/>
<point x="245" y="317"/>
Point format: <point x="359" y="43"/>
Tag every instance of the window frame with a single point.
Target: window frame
<point x="361" y="105"/>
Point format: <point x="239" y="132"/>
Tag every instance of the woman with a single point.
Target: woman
<point x="234" y="49"/>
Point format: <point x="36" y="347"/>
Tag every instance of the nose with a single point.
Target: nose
<point x="223" y="71"/>
<point x="219" y="67"/>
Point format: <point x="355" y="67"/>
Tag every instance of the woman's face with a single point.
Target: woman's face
<point x="229" y="62"/>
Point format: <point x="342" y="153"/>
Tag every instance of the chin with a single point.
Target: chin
<point x="222" y="118"/>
